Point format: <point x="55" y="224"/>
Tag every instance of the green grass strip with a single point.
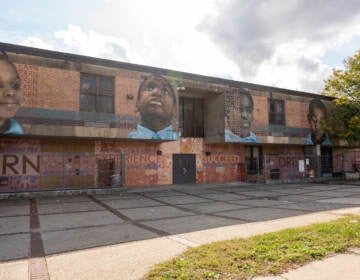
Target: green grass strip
<point x="267" y="254"/>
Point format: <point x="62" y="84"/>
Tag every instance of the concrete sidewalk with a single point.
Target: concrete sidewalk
<point x="344" y="266"/>
<point x="134" y="259"/>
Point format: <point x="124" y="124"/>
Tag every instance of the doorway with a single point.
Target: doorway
<point x="326" y="161"/>
<point x="184" y="168"/>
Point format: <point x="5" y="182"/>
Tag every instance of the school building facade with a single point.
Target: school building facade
<point x="77" y="113"/>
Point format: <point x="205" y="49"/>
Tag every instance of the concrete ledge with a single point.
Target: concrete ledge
<point x="66" y="192"/>
<point x="303" y="180"/>
<point x="352" y="175"/>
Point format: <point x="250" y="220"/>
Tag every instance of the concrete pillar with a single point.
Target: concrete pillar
<point x="317" y="161"/>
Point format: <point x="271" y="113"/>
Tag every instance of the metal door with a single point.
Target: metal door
<point x="184" y="168"/>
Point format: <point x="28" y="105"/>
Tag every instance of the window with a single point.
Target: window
<point x="276" y="112"/>
<point x="191" y="117"/>
<point x="253" y="159"/>
<point x="96" y="93"/>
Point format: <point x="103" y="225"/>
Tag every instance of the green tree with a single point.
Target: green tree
<point x="344" y="85"/>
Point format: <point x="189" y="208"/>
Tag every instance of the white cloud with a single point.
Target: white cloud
<point x="282" y="42"/>
<point x="36" y="43"/>
<point x="93" y="44"/>
<point x="74" y="40"/>
<point x="200" y="55"/>
<point x="296" y="65"/>
<point x="158" y="33"/>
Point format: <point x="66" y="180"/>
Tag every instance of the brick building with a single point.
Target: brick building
<point x="80" y="116"/>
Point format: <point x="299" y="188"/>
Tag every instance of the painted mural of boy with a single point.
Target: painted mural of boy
<point x="316" y="115"/>
<point x="157" y="104"/>
<point x="239" y="118"/>
<point x="10" y="96"/>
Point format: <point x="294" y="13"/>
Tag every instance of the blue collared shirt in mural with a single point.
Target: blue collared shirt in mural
<point x="142" y="132"/>
<point x="232" y="137"/>
<point x="325" y="142"/>
<point x="14" y="128"/>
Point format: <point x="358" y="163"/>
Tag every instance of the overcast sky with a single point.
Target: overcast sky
<point x="284" y="43"/>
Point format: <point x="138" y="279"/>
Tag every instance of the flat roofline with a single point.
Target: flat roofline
<point x="18" y="49"/>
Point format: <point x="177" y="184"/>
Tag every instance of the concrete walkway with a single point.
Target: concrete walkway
<point x="123" y="236"/>
<point x="344" y="266"/>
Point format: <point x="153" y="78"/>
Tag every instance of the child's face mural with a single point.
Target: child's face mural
<point x="315" y="118"/>
<point x="10" y="92"/>
<point x="156" y="100"/>
<point x="240" y="116"/>
<point x="246" y="115"/>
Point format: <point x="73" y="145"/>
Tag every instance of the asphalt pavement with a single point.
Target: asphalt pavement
<point x="120" y="236"/>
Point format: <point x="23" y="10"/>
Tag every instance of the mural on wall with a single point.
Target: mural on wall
<point x="143" y="165"/>
<point x="10" y="96"/>
<point x="251" y="116"/>
<point x="223" y="163"/>
<point x="316" y="115"/>
<point x="284" y="162"/>
<point x="239" y="110"/>
<point x="155" y="116"/>
<point x="19" y="165"/>
<point x="24" y="167"/>
<point x="157" y="105"/>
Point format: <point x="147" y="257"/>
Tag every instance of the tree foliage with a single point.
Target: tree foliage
<point x="344" y="85"/>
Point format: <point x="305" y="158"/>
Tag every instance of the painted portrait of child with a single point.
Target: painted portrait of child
<point x="11" y="96"/>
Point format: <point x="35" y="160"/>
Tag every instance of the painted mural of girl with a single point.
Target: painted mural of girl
<point x="11" y="96"/>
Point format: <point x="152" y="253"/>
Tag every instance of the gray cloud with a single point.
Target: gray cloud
<point x="249" y="31"/>
<point x="308" y="64"/>
<point x="118" y="51"/>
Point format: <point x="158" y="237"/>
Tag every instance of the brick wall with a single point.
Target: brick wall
<point x="49" y="88"/>
<point x="296" y="113"/>
<point x="125" y="89"/>
<point x="260" y="114"/>
<point x="58" y="89"/>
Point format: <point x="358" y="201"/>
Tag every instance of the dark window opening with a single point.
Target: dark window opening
<point x="276" y="112"/>
<point x="326" y="160"/>
<point x="96" y="93"/>
<point x="191" y="117"/>
<point x="253" y="159"/>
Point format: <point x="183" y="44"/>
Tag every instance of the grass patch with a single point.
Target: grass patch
<point x="267" y="254"/>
